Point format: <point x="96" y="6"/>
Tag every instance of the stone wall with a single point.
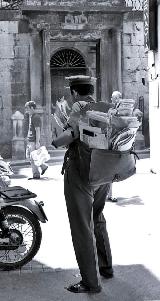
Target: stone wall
<point x="134" y="60"/>
<point x="14" y="78"/>
<point x="134" y="64"/>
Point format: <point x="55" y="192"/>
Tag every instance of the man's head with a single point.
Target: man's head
<point x="81" y="85"/>
<point x="30" y="106"/>
<point x="116" y="96"/>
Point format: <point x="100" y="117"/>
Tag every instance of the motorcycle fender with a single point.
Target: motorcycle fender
<point x="36" y="208"/>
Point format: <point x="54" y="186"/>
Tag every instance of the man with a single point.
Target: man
<point x="85" y="205"/>
<point x="115" y="99"/>
<point x="33" y="138"/>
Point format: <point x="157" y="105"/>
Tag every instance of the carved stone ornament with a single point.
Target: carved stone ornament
<point x="37" y="27"/>
<point x="11" y="4"/>
<point x="75" y="21"/>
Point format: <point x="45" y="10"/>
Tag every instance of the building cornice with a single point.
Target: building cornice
<point x="85" y="8"/>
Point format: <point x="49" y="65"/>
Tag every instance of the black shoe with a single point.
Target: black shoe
<point x="106" y="273"/>
<point x="34" y="178"/>
<point x="44" y="170"/>
<point x="113" y="200"/>
<point x="82" y="288"/>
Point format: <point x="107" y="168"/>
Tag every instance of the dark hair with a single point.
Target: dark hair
<point x="83" y="89"/>
<point x="31" y="104"/>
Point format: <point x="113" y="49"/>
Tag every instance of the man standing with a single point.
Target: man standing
<point x="85" y="204"/>
<point x="33" y="138"/>
<point x="115" y="99"/>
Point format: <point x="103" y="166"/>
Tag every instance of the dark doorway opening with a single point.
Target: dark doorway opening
<point x="64" y="62"/>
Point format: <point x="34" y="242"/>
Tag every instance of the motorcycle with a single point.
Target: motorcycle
<point x="20" y="217"/>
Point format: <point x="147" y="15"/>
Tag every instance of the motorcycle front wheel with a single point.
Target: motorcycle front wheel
<point x="26" y="231"/>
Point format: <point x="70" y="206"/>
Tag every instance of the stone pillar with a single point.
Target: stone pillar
<point x="119" y="60"/>
<point x="106" y="66"/>
<point x="40" y="76"/>
<point x="36" y="67"/>
<point x="116" y="58"/>
<point x="47" y="86"/>
<point x="111" y="66"/>
<point x="18" y="146"/>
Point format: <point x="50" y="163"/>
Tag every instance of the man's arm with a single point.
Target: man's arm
<point x="38" y="136"/>
<point x="37" y="125"/>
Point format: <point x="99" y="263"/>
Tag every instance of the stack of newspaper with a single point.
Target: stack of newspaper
<point x="114" y="130"/>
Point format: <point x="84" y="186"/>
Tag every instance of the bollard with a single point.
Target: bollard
<point x="18" y="145"/>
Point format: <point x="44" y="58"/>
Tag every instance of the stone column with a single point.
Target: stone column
<point x="106" y="66"/>
<point x="18" y="146"/>
<point x="111" y="68"/>
<point x="119" y="60"/>
<point x="116" y="58"/>
<point x="47" y="86"/>
<point x="36" y="67"/>
<point x="40" y="76"/>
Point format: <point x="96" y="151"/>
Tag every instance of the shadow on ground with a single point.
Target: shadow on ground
<point x="17" y="174"/>
<point x="134" y="200"/>
<point x="131" y="283"/>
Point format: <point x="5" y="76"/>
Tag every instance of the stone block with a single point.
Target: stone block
<point x="133" y="51"/>
<point x="6" y="39"/>
<point x="9" y="27"/>
<point x="135" y="29"/>
<point x="141" y="74"/>
<point x="22" y="39"/>
<point x="5" y="65"/>
<point x="18" y="149"/>
<point x="132" y="63"/>
<point x="17" y="77"/>
<point x="5" y="79"/>
<point x="19" y="64"/>
<point x="129" y="76"/>
<point x="128" y="27"/>
<point x="18" y="88"/>
<point x="6" y="52"/>
<point x="21" y="51"/>
<point x="138" y="39"/>
<point x="130" y="90"/>
<point x="127" y="38"/>
<point x="19" y="100"/>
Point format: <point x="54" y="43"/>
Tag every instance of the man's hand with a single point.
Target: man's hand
<point x="38" y="145"/>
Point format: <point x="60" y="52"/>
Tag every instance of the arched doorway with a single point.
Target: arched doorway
<point x="64" y="62"/>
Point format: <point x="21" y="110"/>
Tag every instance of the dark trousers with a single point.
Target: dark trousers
<point x="88" y="226"/>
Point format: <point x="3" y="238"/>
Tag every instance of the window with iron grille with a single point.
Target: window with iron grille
<point x="67" y="58"/>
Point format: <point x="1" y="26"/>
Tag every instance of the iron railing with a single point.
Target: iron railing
<point x="16" y="4"/>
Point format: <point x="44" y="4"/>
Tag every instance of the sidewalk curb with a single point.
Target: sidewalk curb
<point x="25" y="163"/>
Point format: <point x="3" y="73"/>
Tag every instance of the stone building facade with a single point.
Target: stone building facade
<point x="41" y="42"/>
